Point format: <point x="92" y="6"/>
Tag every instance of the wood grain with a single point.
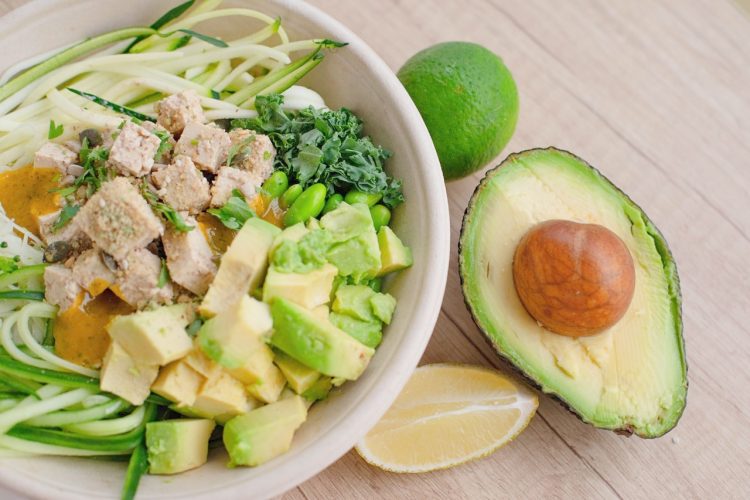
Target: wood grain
<point x="656" y="94"/>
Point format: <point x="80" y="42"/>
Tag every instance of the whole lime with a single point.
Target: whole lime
<point x="468" y="100"/>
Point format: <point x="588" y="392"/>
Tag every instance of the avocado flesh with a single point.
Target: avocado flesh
<point x="631" y="377"/>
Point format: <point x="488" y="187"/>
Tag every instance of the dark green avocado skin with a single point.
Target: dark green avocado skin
<point x="662" y="247"/>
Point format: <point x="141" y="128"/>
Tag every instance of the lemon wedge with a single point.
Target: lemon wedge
<point x="446" y="415"/>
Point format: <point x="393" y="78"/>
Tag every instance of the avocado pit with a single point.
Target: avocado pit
<point x="575" y="279"/>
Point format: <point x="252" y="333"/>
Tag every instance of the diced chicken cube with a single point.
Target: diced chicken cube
<point x="182" y="186"/>
<point x="206" y="145"/>
<point x="176" y="111"/>
<point x="118" y="219"/>
<point x="189" y="258"/>
<point x="60" y="288"/>
<point x="70" y="232"/>
<point x="254" y="153"/>
<point x="133" y="151"/>
<point x="229" y="179"/>
<point x="91" y="273"/>
<point x="137" y="280"/>
<point x="53" y="155"/>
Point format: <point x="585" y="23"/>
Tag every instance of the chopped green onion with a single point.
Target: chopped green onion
<point x="21" y="295"/>
<point x="208" y="39"/>
<point x="117" y="108"/>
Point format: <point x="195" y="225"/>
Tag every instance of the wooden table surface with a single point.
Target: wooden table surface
<point x="656" y="94"/>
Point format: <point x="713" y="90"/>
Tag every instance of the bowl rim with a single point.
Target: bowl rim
<point x="353" y="425"/>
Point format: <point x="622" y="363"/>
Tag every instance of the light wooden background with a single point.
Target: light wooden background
<point x="656" y="94"/>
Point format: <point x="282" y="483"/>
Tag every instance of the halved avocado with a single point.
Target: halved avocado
<point x="630" y="378"/>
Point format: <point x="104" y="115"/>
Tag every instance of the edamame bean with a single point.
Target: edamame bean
<point x="355" y="196"/>
<point x="307" y="205"/>
<point x="289" y="196"/>
<point x="381" y="216"/>
<point x="276" y="184"/>
<point x="333" y="203"/>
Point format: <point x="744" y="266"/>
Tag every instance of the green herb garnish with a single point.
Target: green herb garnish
<point x="165" y="145"/>
<point x="55" y="130"/>
<point x="169" y="213"/>
<point x="324" y="146"/>
<point x="95" y="171"/>
<point x="66" y="214"/>
<point x="7" y="265"/>
<point x="163" y="275"/>
<point x="235" y="212"/>
<point x="237" y="148"/>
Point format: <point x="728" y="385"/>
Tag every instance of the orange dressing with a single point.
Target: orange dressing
<point x="268" y="210"/>
<point x="80" y="335"/>
<point x="25" y="195"/>
<point x="217" y="234"/>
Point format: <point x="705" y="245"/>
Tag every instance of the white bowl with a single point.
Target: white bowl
<point x="354" y="77"/>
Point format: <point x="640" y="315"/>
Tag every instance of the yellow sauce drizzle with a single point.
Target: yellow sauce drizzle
<point x="25" y="195"/>
<point x="80" y="334"/>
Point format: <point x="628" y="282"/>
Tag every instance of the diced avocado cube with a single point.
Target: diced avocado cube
<point x="367" y="332"/>
<point x="269" y="385"/>
<point x="315" y="343"/>
<point x="319" y="390"/>
<point x="177" y="445"/>
<point x="394" y="255"/>
<point x="198" y="361"/>
<point x="288" y="393"/>
<point x="222" y="397"/>
<point x="233" y="336"/>
<point x="308" y="290"/>
<point x="256" y="368"/>
<point x="383" y="305"/>
<point x="264" y="433"/>
<point x="179" y="383"/>
<point x="292" y="233"/>
<point x="126" y="376"/>
<point x="354" y="300"/>
<point x="155" y="337"/>
<point x="313" y="224"/>
<point x="347" y="221"/>
<point x="242" y="267"/>
<point x="363" y="303"/>
<point x="299" y="376"/>
<point x="321" y="312"/>
<point x="357" y="257"/>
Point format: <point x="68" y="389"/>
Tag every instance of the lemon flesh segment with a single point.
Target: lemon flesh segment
<point x="447" y="415"/>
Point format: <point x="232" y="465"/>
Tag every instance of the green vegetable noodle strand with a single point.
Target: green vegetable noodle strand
<point x="307" y="205"/>
<point x="275" y="185"/>
<point x="290" y="195"/>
